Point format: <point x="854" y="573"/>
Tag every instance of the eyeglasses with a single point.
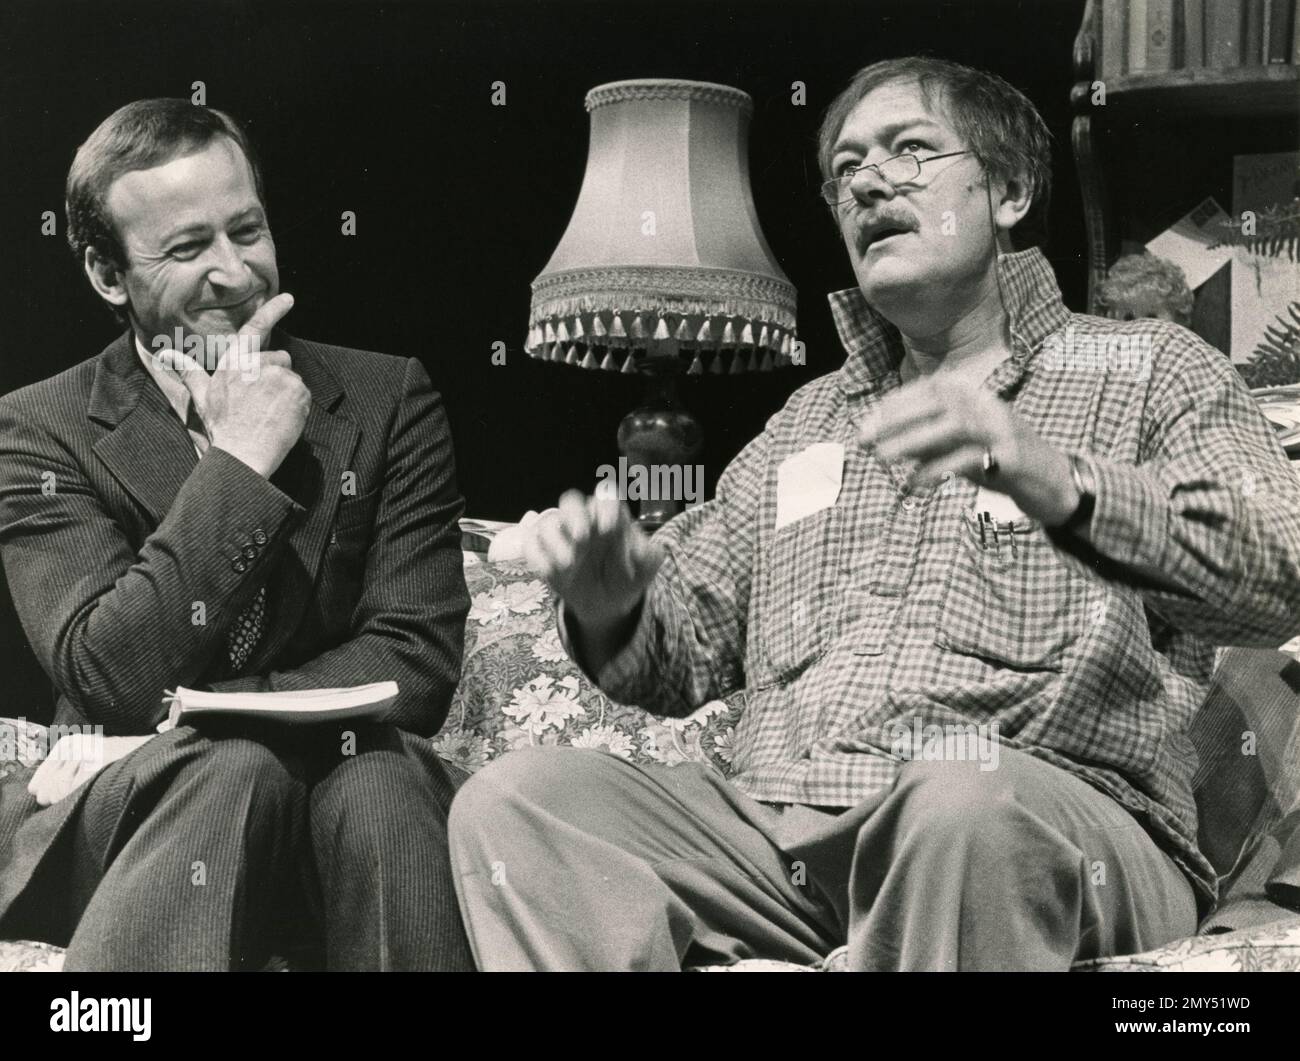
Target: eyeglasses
<point x="901" y="169"/>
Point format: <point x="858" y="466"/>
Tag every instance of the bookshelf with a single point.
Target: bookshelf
<point x="1243" y="90"/>
<point x="1187" y="85"/>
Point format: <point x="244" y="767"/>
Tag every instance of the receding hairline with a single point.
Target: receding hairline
<point x="186" y="150"/>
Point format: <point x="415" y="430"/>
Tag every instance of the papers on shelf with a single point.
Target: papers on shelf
<point x="1187" y="243"/>
<point x="1281" y="405"/>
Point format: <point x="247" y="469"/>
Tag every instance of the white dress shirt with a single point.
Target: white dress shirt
<point x="177" y="395"/>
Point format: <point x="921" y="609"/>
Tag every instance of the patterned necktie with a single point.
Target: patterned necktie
<point x="250" y="623"/>
<point x="248" y="630"/>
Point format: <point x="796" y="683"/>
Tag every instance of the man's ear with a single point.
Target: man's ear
<point x="106" y="278"/>
<point x="1012" y="199"/>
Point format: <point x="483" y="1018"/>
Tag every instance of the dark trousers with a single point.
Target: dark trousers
<point x="212" y="850"/>
<point x="572" y="859"/>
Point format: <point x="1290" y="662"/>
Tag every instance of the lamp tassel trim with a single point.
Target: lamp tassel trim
<point x="572" y="341"/>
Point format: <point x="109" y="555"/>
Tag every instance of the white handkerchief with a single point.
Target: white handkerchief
<point x="999" y="506"/>
<point x="808" y="481"/>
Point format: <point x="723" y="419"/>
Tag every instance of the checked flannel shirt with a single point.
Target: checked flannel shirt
<point x="886" y="606"/>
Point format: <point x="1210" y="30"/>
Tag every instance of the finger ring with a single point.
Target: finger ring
<point x="990" y="462"/>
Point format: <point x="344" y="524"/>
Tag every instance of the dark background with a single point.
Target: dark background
<point x="385" y="109"/>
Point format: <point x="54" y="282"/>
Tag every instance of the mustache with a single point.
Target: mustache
<point x="865" y="229"/>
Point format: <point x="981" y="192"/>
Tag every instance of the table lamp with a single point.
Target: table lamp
<point x="663" y="269"/>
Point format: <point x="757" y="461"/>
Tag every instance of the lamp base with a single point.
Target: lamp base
<point x="660" y="439"/>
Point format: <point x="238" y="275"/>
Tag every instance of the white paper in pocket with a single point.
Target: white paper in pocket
<point x="808" y="481"/>
<point x="999" y="506"/>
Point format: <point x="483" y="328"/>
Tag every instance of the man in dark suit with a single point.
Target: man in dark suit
<point x="283" y="520"/>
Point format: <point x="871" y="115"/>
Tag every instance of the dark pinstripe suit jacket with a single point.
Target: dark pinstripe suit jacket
<point x="117" y="540"/>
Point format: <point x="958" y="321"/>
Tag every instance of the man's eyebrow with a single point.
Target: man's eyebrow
<point x="202" y="227"/>
<point x="194" y="227"/>
<point x="887" y="133"/>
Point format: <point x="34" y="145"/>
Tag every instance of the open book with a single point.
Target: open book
<point x="305" y="705"/>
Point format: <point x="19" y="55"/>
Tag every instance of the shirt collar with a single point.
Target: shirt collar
<point x="168" y="380"/>
<point x="875" y="348"/>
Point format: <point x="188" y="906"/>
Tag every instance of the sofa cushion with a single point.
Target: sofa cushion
<point x="24" y="956"/>
<point x="1267" y="948"/>
<point x="1274" y="947"/>
<point x="22" y="743"/>
<point x="518" y="688"/>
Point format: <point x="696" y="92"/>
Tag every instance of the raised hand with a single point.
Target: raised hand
<point x="947" y="426"/>
<point x="254" y="405"/>
<point x="597" y="561"/>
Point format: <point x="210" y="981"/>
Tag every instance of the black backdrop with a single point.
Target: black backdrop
<point x="385" y="109"/>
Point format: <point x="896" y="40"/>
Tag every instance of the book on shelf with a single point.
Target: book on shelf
<point x="1137" y="36"/>
<point x="1252" y="43"/>
<point x="1223" y="25"/>
<point x="1160" y="36"/>
<point x="1193" y="33"/>
<point x="1279" y="31"/>
<point x="1112" y="39"/>
<point x="295" y="707"/>
<point x="1156" y="36"/>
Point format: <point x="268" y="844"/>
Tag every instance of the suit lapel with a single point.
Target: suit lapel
<point x="148" y="451"/>
<point x="312" y="475"/>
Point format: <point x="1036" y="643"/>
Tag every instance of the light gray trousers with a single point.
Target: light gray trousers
<point x="568" y="859"/>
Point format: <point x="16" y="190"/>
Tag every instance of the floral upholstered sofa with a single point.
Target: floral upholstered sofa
<point x="519" y="689"/>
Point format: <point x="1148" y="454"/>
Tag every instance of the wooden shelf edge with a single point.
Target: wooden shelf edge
<point x="1245" y="90"/>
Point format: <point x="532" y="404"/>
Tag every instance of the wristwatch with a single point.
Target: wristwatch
<point x="1087" y="487"/>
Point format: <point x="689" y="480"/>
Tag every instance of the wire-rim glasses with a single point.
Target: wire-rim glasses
<point x="901" y="169"/>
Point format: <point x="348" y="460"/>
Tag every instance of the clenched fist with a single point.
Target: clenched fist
<point x="254" y="411"/>
<point x="598" y="562"/>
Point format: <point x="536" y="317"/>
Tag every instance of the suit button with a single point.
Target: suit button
<point x="259" y="536"/>
<point x="249" y="552"/>
<point x="239" y="564"/>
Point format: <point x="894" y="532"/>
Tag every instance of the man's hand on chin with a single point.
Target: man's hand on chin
<point x="74" y="760"/>
<point x="949" y="427"/>
<point x="254" y="410"/>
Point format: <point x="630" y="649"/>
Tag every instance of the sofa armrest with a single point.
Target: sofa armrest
<point x="1245" y="737"/>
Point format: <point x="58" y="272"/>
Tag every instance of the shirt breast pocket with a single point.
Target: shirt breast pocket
<point x="793" y="594"/>
<point x="1014" y="600"/>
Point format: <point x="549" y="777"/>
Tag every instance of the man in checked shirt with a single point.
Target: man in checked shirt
<point x="1139" y="512"/>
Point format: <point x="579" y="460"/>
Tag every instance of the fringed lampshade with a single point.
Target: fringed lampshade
<point x="664" y="265"/>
